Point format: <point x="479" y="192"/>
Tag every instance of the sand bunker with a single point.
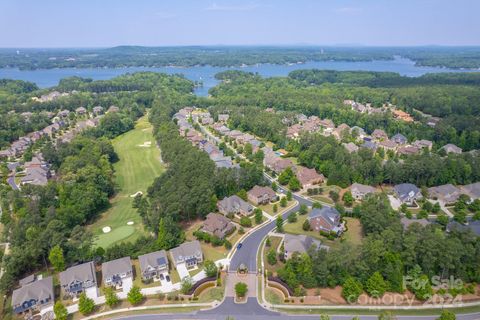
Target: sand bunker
<point x="130" y="223"/>
<point x="136" y="193"/>
<point x="146" y="144"/>
<point x="106" y="229"/>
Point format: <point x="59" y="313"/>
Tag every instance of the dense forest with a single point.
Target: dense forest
<point x="222" y="56"/>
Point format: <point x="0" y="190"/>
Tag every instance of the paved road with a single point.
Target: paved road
<point x="253" y="311"/>
<point x="11" y="182"/>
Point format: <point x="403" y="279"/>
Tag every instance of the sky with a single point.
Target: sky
<point x="106" y="23"/>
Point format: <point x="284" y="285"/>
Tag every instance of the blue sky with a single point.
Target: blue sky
<point x="103" y="23"/>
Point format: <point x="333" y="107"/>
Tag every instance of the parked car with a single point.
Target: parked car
<point x="239" y="246"/>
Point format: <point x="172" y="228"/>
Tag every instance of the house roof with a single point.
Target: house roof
<point x="299" y="243"/>
<point x="118" y="266"/>
<point x="474" y="226"/>
<point x="82" y="272"/>
<point x="307" y="175"/>
<point x="369" y="145"/>
<point x="259" y="191"/>
<point x="473" y="190"/>
<point x="451" y="148"/>
<point x="217" y="224"/>
<point x="447" y="192"/>
<point x="329" y="214"/>
<point x="153" y="260"/>
<point x="379" y="133"/>
<point x="186" y="249"/>
<point x="406" y="190"/>
<point x="235" y="203"/>
<point x="362" y="188"/>
<point x="351" y="147"/>
<point x="36" y="290"/>
<point x="388" y="144"/>
<point x="399" y="138"/>
<point x="407" y="222"/>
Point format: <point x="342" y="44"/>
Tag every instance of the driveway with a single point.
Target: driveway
<point x="182" y="271"/>
<point x="92" y="292"/>
<point x="127" y="284"/>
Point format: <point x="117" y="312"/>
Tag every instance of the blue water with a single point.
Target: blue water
<point x="50" y="77"/>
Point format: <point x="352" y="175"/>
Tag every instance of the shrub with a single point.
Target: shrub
<point x="85" y="304"/>
<point x="60" y="311"/>
<point x="134" y="296"/>
<point x="272" y="257"/>
<point x="376" y="285"/>
<point x="111" y="298"/>
<point x="241" y="289"/>
<point x="351" y="289"/>
<point x="245" y="222"/>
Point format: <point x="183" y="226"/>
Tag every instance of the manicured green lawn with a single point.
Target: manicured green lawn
<point x="135" y="171"/>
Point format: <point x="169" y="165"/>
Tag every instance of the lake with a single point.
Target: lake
<point x="49" y="77"/>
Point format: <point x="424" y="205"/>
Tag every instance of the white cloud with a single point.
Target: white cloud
<point x="245" y="7"/>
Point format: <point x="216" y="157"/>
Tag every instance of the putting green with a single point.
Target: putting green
<point x="135" y="171"/>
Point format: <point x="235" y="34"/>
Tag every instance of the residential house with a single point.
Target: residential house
<point x="299" y="244"/>
<point x="217" y="225"/>
<point x="223" y="117"/>
<point x="408" y="150"/>
<point x="206" y="120"/>
<point x="34" y="296"/>
<point x="471" y="226"/>
<point x="402" y="115"/>
<point x="446" y="193"/>
<point x="379" y="135"/>
<point x="80" y="111"/>
<point x="234" y="204"/>
<point x="64" y="113"/>
<point x="97" y="110"/>
<point x="451" y="148"/>
<point x="261" y="195"/>
<point x="326" y="219"/>
<point x="294" y="131"/>
<point x="301" y="117"/>
<point x="308" y="177"/>
<point x="281" y="164"/>
<point x="388" y="145"/>
<point x="113" y="109"/>
<point x="360" y="191"/>
<point x="340" y="131"/>
<point x="77" y="279"/>
<point x="407" y="193"/>
<point x="369" y="145"/>
<point x="472" y="190"/>
<point x="115" y="272"/>
<point x="423" y="144"/>
<point x="357" y="132"/>
<point x="433" y="121"/>
<point x="188" y="254"/>
<point x="351" y="147"/>
<point x="153" y="264"/>
<point x="399" y="139"/>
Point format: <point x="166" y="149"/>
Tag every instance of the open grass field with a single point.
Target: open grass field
<point x="139" y="165"/>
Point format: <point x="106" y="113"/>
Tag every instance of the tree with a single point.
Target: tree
<point x="348" y="198"/>
<point x="294" y="184"/>
<point x="285" y="176"/>
<point x="279" y="224"/>
<point x="241" y="289"/>
<point x="351" y="290"/>
<point x="242" y="194"/>
<point x="317" y="205"/>
<point x="334" y="195"/>
<point x="169" y="234"/>
<point x="274" y="186"/>
<point x="292" y="217"/>
<point x="386" y="315"/>
<point x="376" y="285"/>
<point x="60" y="311"/>
<point x="258" y="215"/>
<point x="211" y="268"/>
<point x="447" y="315"/>
<point x="134" y="296"/>
<point x="306" y="225"/>
<point x="272" y="257"/>
<point x="85" y="304"/>
<point x="111" y="298"/>
<point x="247" y="150"/>
<point x="275" y="208"/>
<point x="283" y="202"/>
<point x="303" y="209"/>
<point x="436" y="207"/>
<point x="186" y="285"/>
<point x="56" y="258"/>
<point x="289" y="195"/>
<point x="245" y="222"/>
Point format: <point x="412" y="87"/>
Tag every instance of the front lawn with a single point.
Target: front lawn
<point x="268" y="208"/>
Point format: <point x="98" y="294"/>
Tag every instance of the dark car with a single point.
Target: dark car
<point x="239" y="246"/>
<point x="162" y="276"/>
<point x="167" y="277"/>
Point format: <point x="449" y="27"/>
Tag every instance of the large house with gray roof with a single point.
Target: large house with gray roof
<point x="446" y="193"/>
<point x="360" y="191"/>
<point x="34" y="296"/>
<point x="188" y="253"/>
<point x="326" y="219"/>
<point x="236" y="205"/>
<point x="153" y="264"/>
<point x="407" y="193"/>
<point x="116" y="271"/>
<point x="299" y="243"/>
<point x="76" y="279"/>
<point x="472" y="190"/>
